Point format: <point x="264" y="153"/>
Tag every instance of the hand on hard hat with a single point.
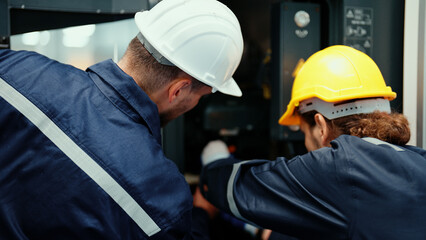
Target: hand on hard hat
<point x="213" y="151"/>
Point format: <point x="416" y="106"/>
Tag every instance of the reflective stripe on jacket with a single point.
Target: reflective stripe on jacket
<point x="356" y="189"/>
<point x="81" y="155"/>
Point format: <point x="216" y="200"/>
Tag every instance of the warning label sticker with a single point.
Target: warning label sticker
<point x="358" y="32"/>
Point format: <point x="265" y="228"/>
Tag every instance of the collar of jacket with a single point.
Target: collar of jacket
<point x="122" y="90"/>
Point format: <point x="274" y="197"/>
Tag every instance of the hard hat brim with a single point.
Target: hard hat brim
<point x="289" y="117"/>
<point x="231" y="88"/>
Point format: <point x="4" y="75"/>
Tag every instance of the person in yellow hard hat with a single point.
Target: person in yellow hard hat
<point x="359" y="181"/>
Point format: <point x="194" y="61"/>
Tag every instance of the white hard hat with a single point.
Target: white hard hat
<point x="201" y="37"/>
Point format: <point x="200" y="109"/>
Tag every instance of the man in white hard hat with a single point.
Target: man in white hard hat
<point x="80" y="151"/>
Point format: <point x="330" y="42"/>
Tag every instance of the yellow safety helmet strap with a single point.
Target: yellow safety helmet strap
<point x="332" y="110"/>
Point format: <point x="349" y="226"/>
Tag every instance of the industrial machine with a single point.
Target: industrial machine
<point x="279" y="37"/>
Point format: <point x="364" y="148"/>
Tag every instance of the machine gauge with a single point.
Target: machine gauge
<point x="302" y="19"/>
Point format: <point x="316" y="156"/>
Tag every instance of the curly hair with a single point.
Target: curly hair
<point x="392" y="128"/>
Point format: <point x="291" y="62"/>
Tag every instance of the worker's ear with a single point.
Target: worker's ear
<point x="179" y="89"/>
<point x="324" y="131"/>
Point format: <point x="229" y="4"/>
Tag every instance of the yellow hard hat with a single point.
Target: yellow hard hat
<point x="335" y="74"/>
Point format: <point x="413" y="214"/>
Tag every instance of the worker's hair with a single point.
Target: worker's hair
<point x="154" y="74"/>
<point x="392" y="128"/>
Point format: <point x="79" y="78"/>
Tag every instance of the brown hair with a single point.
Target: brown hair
<point x="155" y="74"/>
<point x="392" y="128"/>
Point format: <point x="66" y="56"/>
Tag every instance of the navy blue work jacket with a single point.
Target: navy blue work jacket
<point x="355" y="189"/>
<point x="81" y="155"/>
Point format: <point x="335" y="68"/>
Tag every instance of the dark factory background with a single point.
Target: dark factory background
<point x="274" y="45"/>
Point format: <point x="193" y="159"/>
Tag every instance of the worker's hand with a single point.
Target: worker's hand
<point x="213" y="151"/>
<point x="201" y="202"/>
<point x="266" y="233"/>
